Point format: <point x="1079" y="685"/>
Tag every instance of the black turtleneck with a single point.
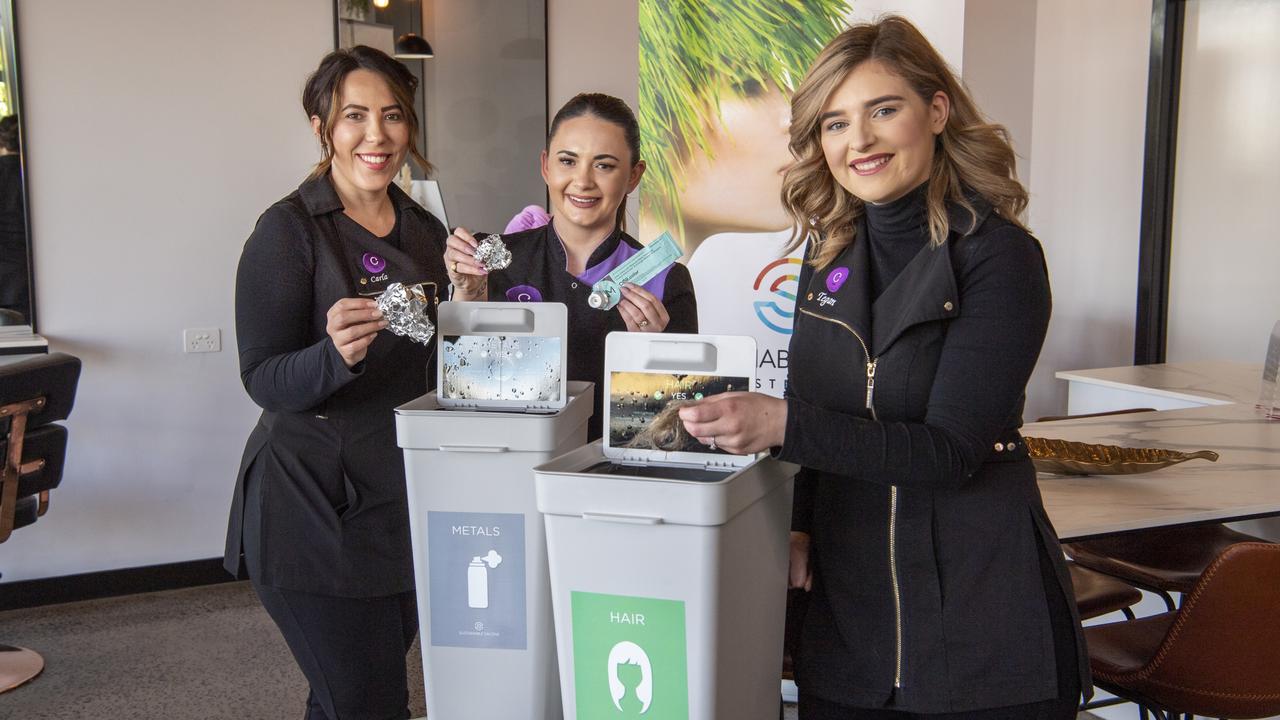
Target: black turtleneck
<point x="896" y="231"/>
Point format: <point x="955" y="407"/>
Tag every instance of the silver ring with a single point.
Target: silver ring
<point x="713" y="442"/>
<point x="644" y="323"/>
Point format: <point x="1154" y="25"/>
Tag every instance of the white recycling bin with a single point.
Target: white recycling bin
<point x="479" y="554"/>
<point x="668" y="557"/>
<point x="669" y="589"/>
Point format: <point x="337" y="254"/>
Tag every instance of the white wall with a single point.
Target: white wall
<point x="148" y="174"/>
<point x="146" y="177"/>
<point x="158" y="132"/>
<point x="486" y="107"/>
<point x="1087" y="133"/>
<point x="1225" y="270"/>
<point x="593" y="46"/>
<point x="942" y="21"/>
<point x="999" y="67"/>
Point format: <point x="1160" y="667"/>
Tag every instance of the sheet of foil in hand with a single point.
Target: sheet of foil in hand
<point x="405" y="309"/>
<point x="492" y="253"/>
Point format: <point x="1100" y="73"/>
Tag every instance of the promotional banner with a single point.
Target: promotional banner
<point x="714" y="111"/>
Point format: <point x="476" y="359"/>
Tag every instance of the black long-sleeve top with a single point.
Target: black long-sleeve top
<point x="999" y="312"/>
<point x="319" y="504"/>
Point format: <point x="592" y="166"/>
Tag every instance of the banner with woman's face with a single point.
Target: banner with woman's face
<point x="714" y="111"/>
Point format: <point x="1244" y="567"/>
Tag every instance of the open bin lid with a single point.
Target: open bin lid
<point x="503" y="356"/>
<point x="563" y="487"/>
<point x="424" y="424"/>
<point x="649" y="376"/>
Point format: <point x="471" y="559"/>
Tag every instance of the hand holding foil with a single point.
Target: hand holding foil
<point x="493" y="254"/>
<point x="352" y="324"/>
<point x="467" y="274"/>
<point x="405" y="309"/>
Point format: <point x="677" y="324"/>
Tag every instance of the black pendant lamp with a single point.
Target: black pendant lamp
<point x="410" y="46"/>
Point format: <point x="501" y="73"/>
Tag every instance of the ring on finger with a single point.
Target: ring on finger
<point x="713" y="442"/>
<point x="455" y="266"/>
<point x="644" y="323"/>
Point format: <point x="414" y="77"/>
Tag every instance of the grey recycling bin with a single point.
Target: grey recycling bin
<point x="479" y="554"/>
<point x="669" y="585"/>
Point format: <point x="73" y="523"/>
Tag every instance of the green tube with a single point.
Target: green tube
<point x="637" y="270"/>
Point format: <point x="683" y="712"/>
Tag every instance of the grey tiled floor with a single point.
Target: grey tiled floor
<point x="207" y="652"/>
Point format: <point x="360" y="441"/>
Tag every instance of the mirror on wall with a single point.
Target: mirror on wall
<point x="16" y="311"/>
<point x="482" y="97"/>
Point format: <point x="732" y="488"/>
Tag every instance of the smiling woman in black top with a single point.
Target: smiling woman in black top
<point x="937" y="583"/>
<point x="319" y="519"/>
<point x="591" y="162"/>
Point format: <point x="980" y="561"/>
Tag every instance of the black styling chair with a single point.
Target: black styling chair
<point x="35" y="392"/>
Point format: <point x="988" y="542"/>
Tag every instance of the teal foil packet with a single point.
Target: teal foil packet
<point x="637" y="270"/>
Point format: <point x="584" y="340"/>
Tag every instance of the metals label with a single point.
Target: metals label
<point x="477" y="590"/>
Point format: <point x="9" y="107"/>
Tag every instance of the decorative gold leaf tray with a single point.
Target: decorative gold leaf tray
<point x="1076" y="458"/>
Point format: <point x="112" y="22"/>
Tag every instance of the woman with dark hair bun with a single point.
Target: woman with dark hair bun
<point x="592" y="160"/>
<point x="319" y="520"/>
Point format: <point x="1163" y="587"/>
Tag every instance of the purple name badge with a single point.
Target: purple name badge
<point x="372" y="263"/>
<point x="836" y="278"/>
<point x="524" y="293"/>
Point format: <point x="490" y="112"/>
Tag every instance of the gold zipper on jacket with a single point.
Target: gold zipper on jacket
<point x="871" y="364"/>
<point x="897" y="593"/>
<point x="893" y="502"/>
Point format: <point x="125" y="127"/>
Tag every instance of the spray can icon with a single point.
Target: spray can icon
<point x="478" y="579"/>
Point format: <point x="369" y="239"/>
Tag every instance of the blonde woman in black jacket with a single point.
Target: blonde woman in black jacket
<point x="937" y="584"/>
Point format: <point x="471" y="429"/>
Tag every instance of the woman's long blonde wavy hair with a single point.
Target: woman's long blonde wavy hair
<point x="971" y="154"/>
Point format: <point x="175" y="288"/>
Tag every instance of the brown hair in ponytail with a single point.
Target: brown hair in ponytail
<point x="612" y="110"/>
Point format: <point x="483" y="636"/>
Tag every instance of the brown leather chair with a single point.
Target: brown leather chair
<point x="1098" y="594"/>
<point x="1162" y="560"/>
<point x="35" y="392"/>
<point x="1216" y="656"/>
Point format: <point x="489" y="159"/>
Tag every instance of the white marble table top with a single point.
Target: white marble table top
<point x="1213" y="382"/>
<point x="1243" y="483"/>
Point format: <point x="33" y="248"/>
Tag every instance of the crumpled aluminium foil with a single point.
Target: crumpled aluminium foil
<point x="492" y="253"/>
<point x="405" y="309"/>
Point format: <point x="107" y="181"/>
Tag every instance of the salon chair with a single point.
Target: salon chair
<point x="1216" y="656"/>
<point x="35" y="392"/>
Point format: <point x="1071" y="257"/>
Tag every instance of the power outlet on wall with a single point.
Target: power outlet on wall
<point x="201" y="340"/>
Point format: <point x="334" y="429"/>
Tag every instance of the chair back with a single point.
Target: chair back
<point x="35" y="392"/>
<point x="1221" y="656"/>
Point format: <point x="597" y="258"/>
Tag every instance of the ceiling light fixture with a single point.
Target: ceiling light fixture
<point x="410" y="46"/>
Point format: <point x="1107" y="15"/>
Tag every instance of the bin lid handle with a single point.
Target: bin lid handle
<point x="474" y="448"/>
<point x="617" y="518"/>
